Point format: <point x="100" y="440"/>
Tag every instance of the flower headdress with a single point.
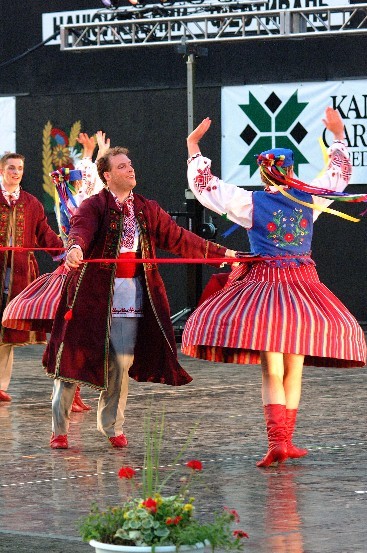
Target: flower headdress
<point x="277" y="157"/>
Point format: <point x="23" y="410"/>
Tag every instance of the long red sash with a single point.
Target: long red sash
<point x="128" y="270"/>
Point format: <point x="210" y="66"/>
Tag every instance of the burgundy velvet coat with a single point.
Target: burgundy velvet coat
<point x="78" y="348"/>
<point x="30" y="229"/>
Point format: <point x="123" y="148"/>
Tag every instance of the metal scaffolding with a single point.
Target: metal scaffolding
<point x="215" y="22"/>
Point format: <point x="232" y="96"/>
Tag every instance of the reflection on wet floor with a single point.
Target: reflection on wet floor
<point x="315" y="504"/>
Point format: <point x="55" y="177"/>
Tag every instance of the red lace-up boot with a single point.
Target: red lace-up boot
<point x="78" y="404"/>
<point x="4" y="396"/>
<point x="275" y="417"/>
<point x="294" y="452"/>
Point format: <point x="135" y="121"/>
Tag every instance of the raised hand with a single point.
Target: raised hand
<point x="334" y="123"/>
<point x="88" y="143"/>
<point x="103" y="143"/>
<point x="196" y="135"/>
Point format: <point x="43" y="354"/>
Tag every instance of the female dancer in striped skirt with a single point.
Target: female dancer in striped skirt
<point x="35" y="307"/>
<point x="275" y="311"/>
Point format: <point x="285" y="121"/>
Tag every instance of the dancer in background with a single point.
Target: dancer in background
<point x="276" y="311"/>
<point x="35" y="307"/>
<point x="23" y="224"/>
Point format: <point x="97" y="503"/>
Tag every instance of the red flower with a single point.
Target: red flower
<point x="271" y="227"/>
<point x="126" y="472"/>
<point x="173" y="521"/>
<point x="195" y="465"/>
<point x="150" y="504"/>
<point x="234" y="514"/>
<point x="289" y="237"/>
<point x="240" y="534"/>
<point x="303" y="223"/>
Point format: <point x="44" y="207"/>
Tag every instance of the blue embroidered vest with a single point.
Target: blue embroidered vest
<point x="280" y="226"/>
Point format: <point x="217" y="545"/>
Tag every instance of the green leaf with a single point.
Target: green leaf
<point x="161" y="532"/>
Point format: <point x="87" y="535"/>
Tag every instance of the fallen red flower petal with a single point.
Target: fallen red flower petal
<point x="126" y="472"/>
<point x="195" y="465"/>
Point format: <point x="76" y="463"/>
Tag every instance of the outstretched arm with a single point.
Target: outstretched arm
<point x="197" y="134"/>
<point x="339" y="169"/>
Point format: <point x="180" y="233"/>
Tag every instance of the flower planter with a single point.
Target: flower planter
<point x="110" y="548"/>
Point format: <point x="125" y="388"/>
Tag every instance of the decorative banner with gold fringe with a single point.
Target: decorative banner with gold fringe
<point x="59" y="149"/>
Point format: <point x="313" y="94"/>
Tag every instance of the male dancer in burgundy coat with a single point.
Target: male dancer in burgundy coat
<point x="22" y="224"/>
<point x="113" y="319"/>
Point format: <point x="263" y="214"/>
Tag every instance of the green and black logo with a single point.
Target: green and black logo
<point x="274" y="124"/>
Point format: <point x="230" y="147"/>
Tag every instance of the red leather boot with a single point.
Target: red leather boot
<point x="275" y="417"/>
<point x="4" y="396"/>
<point x="78" y="405"/>
<point x="293" y="451"/>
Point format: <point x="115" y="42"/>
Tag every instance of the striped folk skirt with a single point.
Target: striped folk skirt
<point x="284" y="310"/>
<point x="35" y="307"/>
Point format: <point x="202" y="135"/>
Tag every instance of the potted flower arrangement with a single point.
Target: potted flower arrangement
<point x="152" y="522"/>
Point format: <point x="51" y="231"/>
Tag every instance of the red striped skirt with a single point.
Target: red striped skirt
<point x="35" y="307"/>
<point x="284" y="310"/>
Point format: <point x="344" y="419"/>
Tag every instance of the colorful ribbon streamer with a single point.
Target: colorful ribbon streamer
<point x="318" y="206"/>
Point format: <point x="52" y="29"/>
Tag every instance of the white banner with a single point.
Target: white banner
<point x="7" y="118"/>
<point x="52" y="21"/>
<point x="260" y="117"/>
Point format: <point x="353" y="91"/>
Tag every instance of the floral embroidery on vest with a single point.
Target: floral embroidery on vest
<point x="19" y="225"/>
<point x="146" y="248"/>
<point x="287" y="231"/>
<point x="4" y="224"/>
<point x="111" y="245"/>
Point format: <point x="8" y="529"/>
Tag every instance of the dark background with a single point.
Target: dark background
<point x="138" y="97"/>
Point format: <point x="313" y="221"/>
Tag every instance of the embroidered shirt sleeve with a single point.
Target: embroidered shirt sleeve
<point x="337" y="175"/>
<point x="230" y="201"/>
<point x="339" y="169"/>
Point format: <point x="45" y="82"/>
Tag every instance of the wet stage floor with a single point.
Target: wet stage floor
<point x="312" y="505"/>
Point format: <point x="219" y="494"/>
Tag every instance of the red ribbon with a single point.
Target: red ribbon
<point x="163" y="260"/>
<point x="188" y="260"/>
<point x="21" y="249"/>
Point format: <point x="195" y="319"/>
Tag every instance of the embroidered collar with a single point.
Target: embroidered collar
<point x="10" y="196"/>
<point x="120" y="205"/>
<point x="127" y="207"/>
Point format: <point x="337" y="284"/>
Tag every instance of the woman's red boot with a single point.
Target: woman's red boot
<point x="275" y="417"/>
<point x="78" y="404"/>
<point x="294" y="452"/>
